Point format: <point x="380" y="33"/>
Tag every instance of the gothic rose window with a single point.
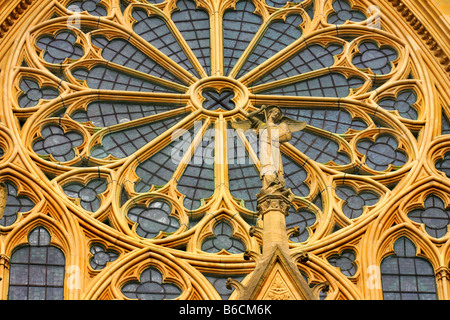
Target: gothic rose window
<point x="118" y="132"/>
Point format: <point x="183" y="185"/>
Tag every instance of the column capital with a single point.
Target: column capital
<point x="274" y="202"/>
<point x="442" y="272"/>
<point x="4" y="261"/>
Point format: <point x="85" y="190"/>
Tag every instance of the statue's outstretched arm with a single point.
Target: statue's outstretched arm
<point x="257" y="111"/>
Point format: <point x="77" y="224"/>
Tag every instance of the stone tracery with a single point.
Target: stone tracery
<point x="372" y="89"/>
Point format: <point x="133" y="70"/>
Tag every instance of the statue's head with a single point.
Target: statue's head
<point x="274" y="112"/>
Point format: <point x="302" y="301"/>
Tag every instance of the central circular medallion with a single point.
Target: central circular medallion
<point x="219" y="95"/>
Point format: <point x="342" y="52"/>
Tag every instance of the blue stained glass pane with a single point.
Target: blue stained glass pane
<point x="223" y="239"/>
<point x="193" y="24"/>
<point x="155" y="1"/>
<point x="150" y="287"/>
<point x="14" y="203"/>
<point x="445" y="124"/>
<point x="123" y="53"/>
<point x="444" y="165"/>
<point x="375" y="58"/>
<point x="382" y="152"/>
<point x="92" y="6"/>
<point x="295" y="175"/>
<point x="33" y="93"/>
<point x="343" y="13"/>
<point x="220" y="281"/>
<point x="404" y="247"/>
<point x="405" y="276"/>
<point x="108" y="78"/>
<point x="60" y="47"/>
<point x="318" y="148"/>
<point x="403" y="104"/>
<point x="276" y="3"/>
<point x="58" y="143"/>
<point x="313" y="57"/>
<point x="279" y="34"/>
<point x="108" y="113"/>
<point x="88" y="194"/>
<point x="333" y="120"/>
<point x="154" y="219"/>
<point x="240" y="165"/>
<point x="155" y="30"/>
<point x="197" y="181"/>
<point x="159" y="168"/>
<point x="345" y="262"/>
<point x="37" y="270"/>
<point x="123" y="143"/>
<point x="329" y="85"/>
<point x="239" y="27"/>
<point x="354" y="202"/>
<point x="301" y="218"/>
<point x="435" y="216"/>
<point x="101" y="256"/>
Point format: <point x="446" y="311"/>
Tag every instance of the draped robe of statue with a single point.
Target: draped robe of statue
<point x="272" y="129"/>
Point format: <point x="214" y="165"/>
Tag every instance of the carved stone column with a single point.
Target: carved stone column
<point x="442" y="279"/>
<point x="276" y="276"/>
<point x="4" y="269"/>
<point x="273" y="209"/>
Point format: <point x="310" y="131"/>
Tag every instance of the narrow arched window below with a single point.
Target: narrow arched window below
<point x="37" y="269"/>
<point x="405" y="276"/>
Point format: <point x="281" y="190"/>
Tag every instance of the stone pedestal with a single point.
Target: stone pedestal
<point x="273" y="209"/>
<point x="276" y="276"/>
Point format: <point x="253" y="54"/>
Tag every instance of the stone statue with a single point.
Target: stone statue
<point x="272" y="128"/>
<point x="274" y="201"/>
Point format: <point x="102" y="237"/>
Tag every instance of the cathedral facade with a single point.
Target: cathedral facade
<point x="124" y="176"/>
